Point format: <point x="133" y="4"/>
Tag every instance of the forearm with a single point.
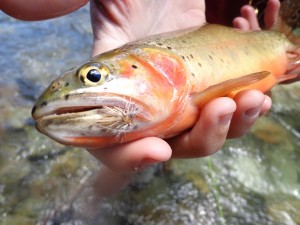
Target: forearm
<point x="31" y="10"/>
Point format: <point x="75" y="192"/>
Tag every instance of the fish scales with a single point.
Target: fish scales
<point x="203" y="49"/>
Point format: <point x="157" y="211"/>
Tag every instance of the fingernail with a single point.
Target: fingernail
<point x="266" y="113"/>
<point x="146" y="162"/>
<point x="138" y="168"/>
<point x="225" y="120"/>
<point x="253" y="112"/>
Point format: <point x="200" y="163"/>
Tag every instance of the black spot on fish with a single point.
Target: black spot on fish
<point x="191" y="56"/>
<point x="199" y="64"/>
<point x="169" y="47"/>
<point x="66" y="84"/>
<point x="44" y="103"/>
<point x="183" y="57"/>
<point x="33" y="110"/>
<point x="187" y="57"/>
<point x="183" y="41"/>
<point x="160" y="44"/>
<point x="210" y="57"/>
<point x="193" y="74"/>
<point x="134" y="66"/>
<point x="66" y="97"/>
<point x="82" y="79"/>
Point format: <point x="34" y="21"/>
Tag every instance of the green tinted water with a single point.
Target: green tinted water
<point x="253" y="180"/>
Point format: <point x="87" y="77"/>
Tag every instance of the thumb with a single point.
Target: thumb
<point x="134" y="156"/>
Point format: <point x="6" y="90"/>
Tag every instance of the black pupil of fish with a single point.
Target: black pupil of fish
<point x="93" y="75"/>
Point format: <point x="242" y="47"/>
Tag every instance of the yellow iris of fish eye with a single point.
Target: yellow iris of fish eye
<point x="93" y="74"/>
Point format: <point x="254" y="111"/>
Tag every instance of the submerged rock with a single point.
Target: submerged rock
<point x="285" y="212"/>
<point x="270" y="132"/>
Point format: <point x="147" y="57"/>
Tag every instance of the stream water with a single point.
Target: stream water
<point x="252" y="180"/>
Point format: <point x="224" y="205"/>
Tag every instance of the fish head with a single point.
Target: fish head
<point x="113" y="98"/>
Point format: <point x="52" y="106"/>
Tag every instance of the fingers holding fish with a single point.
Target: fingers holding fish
<point x="219" y="119"/>
<point x="208" y="134"/>
<point x="248" y="13"/>
<point x="250" y="104"/>
<point x="241" y="23"/>
<point x="248" y="19"/>
<point x="271" y="13"/>
<point x="134" y="156"/>
<point x="205" y="138"/>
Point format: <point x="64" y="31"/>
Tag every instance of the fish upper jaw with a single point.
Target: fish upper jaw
<point x="78" y="104"/>
<point x="83" y="102"/>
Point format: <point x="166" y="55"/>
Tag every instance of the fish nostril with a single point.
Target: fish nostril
<point x="56" y="85"/>
<point x="44" y="103"/>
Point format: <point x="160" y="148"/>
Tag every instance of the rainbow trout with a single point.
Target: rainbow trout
<point x="157" y="86"/>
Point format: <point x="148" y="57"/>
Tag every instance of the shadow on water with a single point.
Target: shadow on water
<point x="253" y="180"/>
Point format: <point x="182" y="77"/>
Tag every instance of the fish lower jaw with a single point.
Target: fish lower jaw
<point x="96" y="123"/>
<point x="90" y="136"/>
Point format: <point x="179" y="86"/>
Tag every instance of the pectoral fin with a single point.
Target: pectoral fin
<point x="227" y="88"/>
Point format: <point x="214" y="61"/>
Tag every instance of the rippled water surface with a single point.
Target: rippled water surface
<point x="253" y="180"/>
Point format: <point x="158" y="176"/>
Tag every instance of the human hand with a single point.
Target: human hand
<point x="31" y="10"/>
<point x="117" y="22"/>
<point x="248" y="19"/>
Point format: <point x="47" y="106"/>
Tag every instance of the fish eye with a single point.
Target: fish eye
<point x="93" y="74"/>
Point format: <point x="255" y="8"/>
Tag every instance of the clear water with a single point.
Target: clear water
<point x="253" y="180"/>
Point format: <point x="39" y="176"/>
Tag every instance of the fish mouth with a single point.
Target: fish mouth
<point x="112" y="119"/>
<point x="77" y="109"/>
<point x="121" y="104"/>
<point x="99" y="117"/>
<point x="111" y="110"/>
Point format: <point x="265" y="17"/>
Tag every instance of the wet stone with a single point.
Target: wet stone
<point x="285" y="212"/>
<point x="270" y="132"/>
